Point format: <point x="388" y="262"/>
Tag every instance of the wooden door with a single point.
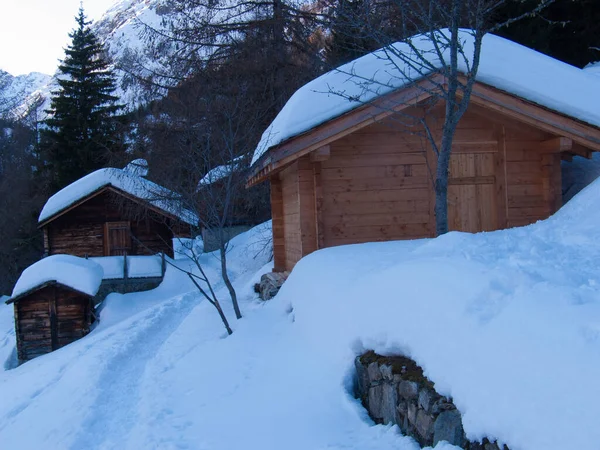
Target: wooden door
<point x="117" y="238"/>
<point x="472" y="203"/>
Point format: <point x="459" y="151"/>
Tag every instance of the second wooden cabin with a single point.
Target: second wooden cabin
<point x="345" y="171"/>
<point x="112" y="212"/>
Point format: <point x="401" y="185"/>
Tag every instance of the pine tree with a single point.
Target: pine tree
<point x="349" y="39"/>
<point x="83" y="130"/>
<point x="568" y="30"/>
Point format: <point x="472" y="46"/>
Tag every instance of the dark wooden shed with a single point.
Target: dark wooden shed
<point x="49" y="317"/>
<point x="110" y="212"/>
<point x="364" y="173"/>
<point x="53" y="303"/>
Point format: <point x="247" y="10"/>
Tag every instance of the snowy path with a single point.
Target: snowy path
<point x="115" y="409"/>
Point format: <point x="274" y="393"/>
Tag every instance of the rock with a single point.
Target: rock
<point x="424" y="426"/>
<point x="389" y="400"/>
<point x="373" y="372"/>
<point x="442" y="404"/>
<point x="362" y="377"/>
<point x="375" y="401"/>
<point x="408" y="390"/>
<point x="412" y="413"/>
<point x="386" y="372"/>
<point x="448" y="427"/>
<point x="426" y="399"/>
<point x="402" y="416"/>
<point x="270" y="283"/>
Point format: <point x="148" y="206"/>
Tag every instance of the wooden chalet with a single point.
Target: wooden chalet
<point x="364" y="173"/>
<point x="112" y="212"/>
<point x="53" y="304"/>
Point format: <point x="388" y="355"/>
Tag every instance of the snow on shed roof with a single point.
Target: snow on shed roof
<point x="76" y="273"/>
<point x="136" y="186"/>
<point x="504" y="64"/>
<point x="220" y="172"/>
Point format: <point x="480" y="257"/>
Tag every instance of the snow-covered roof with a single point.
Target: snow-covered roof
<point x="76" y="273"/>
<point x="141" y="188"/>
<point x="220" y="172"/>
<point x="504" y="64"/>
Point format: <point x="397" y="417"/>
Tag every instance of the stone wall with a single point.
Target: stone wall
<point x="123" y="286"/>
<point x="394" y="390"/>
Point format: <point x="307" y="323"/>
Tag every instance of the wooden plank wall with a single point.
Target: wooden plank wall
<point x="49" y="319"/>
<point x="32" y="322"/>
<point x="531" y="182"/>
<point x="376" y="187"/>
<point x="80" y="232"/>
<point x="377" y="184"/>
<point x="279" y="258"/>
<point x="291" y="216"/>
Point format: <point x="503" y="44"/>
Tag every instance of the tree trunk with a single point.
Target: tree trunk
<point x="441" y="186"/>
<point x="227" y="281"/>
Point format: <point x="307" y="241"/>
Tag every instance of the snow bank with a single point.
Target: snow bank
<point x="578" y="174"/>
<point x="77" y="273"/>
<point x="8" y="349"/>
<point x="134" y="185"/>
<point x="144" y="266"/>
<point x="507" y="323"/>
<point x="504" y="64"/>
<point x="593" y="68"/>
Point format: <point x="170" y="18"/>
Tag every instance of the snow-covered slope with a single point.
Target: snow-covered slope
<point x="507" y="323"/>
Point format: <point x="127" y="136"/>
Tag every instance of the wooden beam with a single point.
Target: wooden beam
<point x="53" y="319"/>
<point x="277" y="224"/>
<point x="490" y="179"/>
<point x="500" y="174"/>
<point x="307" y="207"/>
<point x="321" y="154"/>
<point x="567" y="157"/>
<point x="579" y="150"/>
<point x="319" y="205"/>
<point x="556" y="145"/>
<point x="536" y="115"/>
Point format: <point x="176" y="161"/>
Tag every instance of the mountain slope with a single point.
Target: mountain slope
<point x="18" y="92"/>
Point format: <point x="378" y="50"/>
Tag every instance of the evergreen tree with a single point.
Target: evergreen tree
<point x="568" y="30"/>
<point x="349" y="37"/>
<point x="84" y="129"/>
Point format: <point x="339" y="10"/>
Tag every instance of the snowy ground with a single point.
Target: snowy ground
<point x="508" y="323"/>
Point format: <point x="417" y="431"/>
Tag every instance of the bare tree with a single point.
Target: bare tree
<point x="198" y="143"/>
<point x="425" y="45"/>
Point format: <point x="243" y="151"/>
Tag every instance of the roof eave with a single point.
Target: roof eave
<point x="553" y="121"/>
<point x="42" y="286"/>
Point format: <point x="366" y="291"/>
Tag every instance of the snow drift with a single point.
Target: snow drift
<point x="507" y="323"/>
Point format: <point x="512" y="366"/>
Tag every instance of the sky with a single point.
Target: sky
<point x="34" y="33"/>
